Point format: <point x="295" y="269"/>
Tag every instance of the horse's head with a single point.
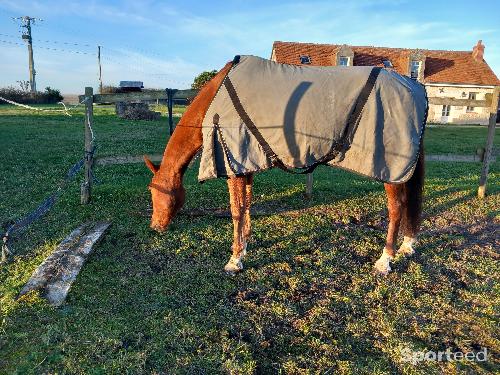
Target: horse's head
<point x="168" y="196"/>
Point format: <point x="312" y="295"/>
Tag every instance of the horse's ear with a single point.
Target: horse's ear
<point x="153" y="168"/>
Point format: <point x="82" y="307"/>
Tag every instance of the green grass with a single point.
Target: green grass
<point x="307" y="301"/>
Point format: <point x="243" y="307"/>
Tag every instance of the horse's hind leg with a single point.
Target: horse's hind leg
<point x="395" y="204"/>
<point x="237" y="196"/>
<point x="409" y="225"/>
<point x="247" y="226"/>
<point x="412" y="210"/>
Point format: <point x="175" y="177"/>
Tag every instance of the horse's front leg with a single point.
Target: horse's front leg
<point x="395" y="207"/>
<point x="237" y="196"/>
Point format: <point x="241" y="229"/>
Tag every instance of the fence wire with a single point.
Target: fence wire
<point x="21" y="224"/>
<point x="65" y="110"/>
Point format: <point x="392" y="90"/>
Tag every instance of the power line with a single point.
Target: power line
<point x="49" y="48"/>
<point x="50" y="41"/>
<point x="121" y="52"/>
<point x="66" y="50"/>
<point x="7" y="42"/>
<point x="10" y="36"/>
<point x="138" y="56"/>
<point x="66" y="43"/>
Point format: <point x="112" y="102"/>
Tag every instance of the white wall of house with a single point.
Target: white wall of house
<point x="458" y="115"/>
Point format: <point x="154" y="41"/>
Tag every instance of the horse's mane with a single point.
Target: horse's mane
<point x="187" y="138"/>
<point x="199" y="105"/>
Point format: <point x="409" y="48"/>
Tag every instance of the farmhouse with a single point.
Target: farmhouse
<point x="453" y="74"/>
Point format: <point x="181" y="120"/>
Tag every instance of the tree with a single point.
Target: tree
<point x="202" y="79"/>
<point x="25" y="85"/>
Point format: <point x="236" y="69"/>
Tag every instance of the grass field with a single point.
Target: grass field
<point x="307" y="301"/>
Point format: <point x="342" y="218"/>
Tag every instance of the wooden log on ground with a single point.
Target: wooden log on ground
<point x="53" y="278"/>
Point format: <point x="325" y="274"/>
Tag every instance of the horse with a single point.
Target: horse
<point x="404" y="200"/>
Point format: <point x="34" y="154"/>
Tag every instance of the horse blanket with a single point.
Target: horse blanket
<point x="364" y="119"/>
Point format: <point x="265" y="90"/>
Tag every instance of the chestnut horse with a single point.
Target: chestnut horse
<point x="168" y="193"/>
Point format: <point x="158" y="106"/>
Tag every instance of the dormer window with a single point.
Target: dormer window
<point x="305" y="59"/>
<point x="387" y="63"/>
<point x="415" y="69"/>
<point x="344" y="61"/>
<point x="344" y="56"/>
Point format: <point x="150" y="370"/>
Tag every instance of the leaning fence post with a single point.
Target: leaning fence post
<point x="481" y="192"/>
<point x="86" y="188"/>
<point x="309" y="185"/>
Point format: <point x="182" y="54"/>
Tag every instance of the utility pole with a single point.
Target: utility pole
<point x="100" y="69"/>
<point x="26" y="25"/>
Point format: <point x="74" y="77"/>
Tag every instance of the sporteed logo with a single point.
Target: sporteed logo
<point x="408" y="355"/>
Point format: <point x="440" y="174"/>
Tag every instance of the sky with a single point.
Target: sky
<point x="167" y="43"/>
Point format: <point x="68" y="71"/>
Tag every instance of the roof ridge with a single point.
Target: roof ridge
<point x="379" y="47"/>
<point x="441" y="65"/>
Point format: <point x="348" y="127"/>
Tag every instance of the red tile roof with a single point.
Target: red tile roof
<point x="440" y="66"/>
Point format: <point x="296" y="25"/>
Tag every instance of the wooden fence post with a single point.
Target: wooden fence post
<point x="309" y="185"/>
<point x="170" y="104"/>
<point x="86" y="188"/>
<point x="481" y="192"/>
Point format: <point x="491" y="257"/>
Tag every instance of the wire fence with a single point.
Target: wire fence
<point x="22" y="223"/>
<point x="65" y="110"/>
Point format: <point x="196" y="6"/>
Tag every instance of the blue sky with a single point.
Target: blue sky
<point x="167" y="43"/>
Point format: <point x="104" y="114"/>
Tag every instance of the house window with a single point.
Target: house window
<point x="415" y="69"/>
<point x="445" y="112"/>
<point x="472" y="96"/>
<point x="344" y="61"/>
<point x="305" y="59"/>
<point x="387" y="63"/>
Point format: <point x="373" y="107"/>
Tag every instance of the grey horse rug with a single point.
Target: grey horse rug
<point x="364" y="119"/>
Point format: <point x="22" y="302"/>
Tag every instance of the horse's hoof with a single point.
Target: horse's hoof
<point x="406" y="249"/>
<point x="380" y="271"/>
<point x="382" y="266"/>
<point x="233" y="266"/>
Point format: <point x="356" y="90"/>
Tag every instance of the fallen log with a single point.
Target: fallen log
<point x="53" y="278"/>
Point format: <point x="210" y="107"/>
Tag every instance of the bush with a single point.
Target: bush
<point x="49" y="96"/>
<point x="52" y="95"/>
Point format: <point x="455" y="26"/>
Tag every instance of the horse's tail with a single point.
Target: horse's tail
<point x="413" y="191"/>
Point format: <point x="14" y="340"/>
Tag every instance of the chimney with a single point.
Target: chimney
<point x="478" y="51"/>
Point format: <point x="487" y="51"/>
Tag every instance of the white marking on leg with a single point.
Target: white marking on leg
<point x="382" y="265"/>
<point x="234" y="265"/>
<point x="406" y="247"/>
<point x="244" y="251"/>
